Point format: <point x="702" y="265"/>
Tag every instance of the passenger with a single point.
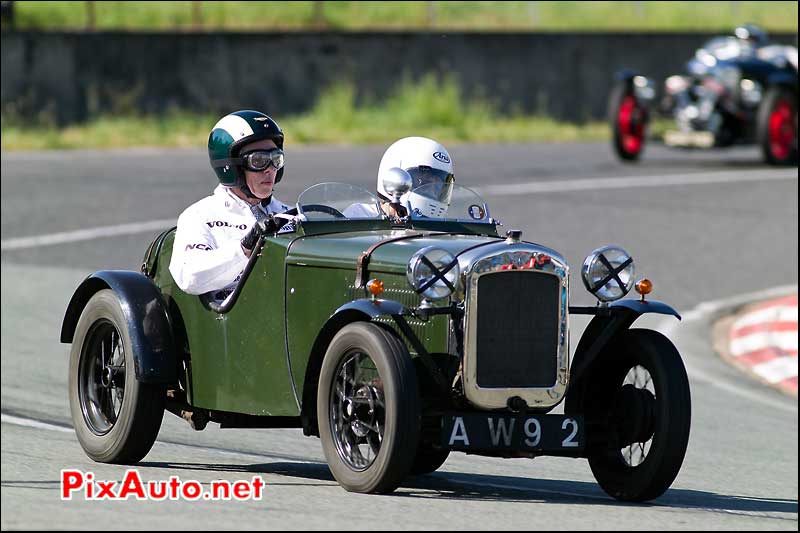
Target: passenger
<point x="428" y="163"/>
<point x="216" y="235"/>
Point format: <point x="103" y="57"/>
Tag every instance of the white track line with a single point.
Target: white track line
<point x="511" y="189"/>
<point x="27" y="422"/>
<point x="86" y="234"/>
<point x="31" y="423"/>
<point x="665" y="180"/>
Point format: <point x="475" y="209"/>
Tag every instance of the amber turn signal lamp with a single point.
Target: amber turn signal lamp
<point x="644" y="287"/>
<point x="375" y="287"/>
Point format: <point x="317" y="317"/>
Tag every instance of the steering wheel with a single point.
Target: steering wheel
<point x="319" y="208"/>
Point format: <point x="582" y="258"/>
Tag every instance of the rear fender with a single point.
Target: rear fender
<point x="146" y="316"/>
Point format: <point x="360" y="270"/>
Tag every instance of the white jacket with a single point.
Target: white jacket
<point x="207" y="254"/>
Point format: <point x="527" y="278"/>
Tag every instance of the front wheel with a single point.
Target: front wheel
<point x="637" y="396"/>
<point x="116" y="417"/>
<point x="777" y="126"/>
<point x="368" y="409"/>
<point x="628" y="119"/>
<point x="429" y="459"/>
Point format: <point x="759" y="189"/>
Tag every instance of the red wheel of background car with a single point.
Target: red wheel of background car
<point x="781" y="130"/>
<point x="630" y="121"/>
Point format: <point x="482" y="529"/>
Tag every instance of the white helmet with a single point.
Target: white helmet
<point x="429" y="165"/>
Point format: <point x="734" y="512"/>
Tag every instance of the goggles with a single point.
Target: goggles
<point x="423" y="175"/>
<point x="260" y="160"/>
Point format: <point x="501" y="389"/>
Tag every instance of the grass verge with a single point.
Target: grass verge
<point x="428" y="108"/>
<point x="360" y="16"/>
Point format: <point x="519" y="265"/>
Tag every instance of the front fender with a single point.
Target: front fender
<point x="146" y="316"/>
<point x="363" y="309"/>
<point x="625" y="75"/>
<point x="649" y="306"/>
<point x="373" y="308"/>
<point x="602" y="329"/>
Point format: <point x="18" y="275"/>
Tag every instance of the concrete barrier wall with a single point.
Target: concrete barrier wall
<point x="72" y="76"/>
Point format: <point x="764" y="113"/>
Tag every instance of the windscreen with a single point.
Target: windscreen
<point x="331" y="201"/>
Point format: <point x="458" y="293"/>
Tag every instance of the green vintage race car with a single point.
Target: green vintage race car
<point x="394" y="340"/>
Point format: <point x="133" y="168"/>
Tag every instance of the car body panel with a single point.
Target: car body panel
<point x="237" y="360"/>
<point x="232" y="367"/>
<point x="320" y="277"/>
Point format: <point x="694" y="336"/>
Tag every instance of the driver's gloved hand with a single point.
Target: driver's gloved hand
<point x="261" y="227"/>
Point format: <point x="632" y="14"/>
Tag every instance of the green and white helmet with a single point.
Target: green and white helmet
<point x="231" y="133"/>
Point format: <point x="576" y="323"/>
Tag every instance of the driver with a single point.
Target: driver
<point x="217" y="234"/>
<point x="429" y="164"/>
<point x="752" y="34"/>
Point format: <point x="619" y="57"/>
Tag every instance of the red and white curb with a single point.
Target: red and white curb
<point x="764" y="340"/>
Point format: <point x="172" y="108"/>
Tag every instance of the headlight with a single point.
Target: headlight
<point x="433" y="273"/>
<point x="750" y="92"/>
<point x="644" y="88"/>
<point x="608" y="273"/>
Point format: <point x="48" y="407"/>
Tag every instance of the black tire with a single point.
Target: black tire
<point x="116" y="417"/>
<point x="387" y="371"/>
<point x="776" y="127"/>
<point x="428" y="459"/>
<point x="626" y="417"/>
<point x="622" y="140"/>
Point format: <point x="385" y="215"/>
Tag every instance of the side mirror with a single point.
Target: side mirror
<point x="396" y="182"/>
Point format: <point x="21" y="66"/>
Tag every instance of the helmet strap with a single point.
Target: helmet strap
<point x="244" y="187"/>
<point x="247" y="192"/>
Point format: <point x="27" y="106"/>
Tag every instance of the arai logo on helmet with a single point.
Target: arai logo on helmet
<point x="441" y="156"/>
<point x="262" y="119"/>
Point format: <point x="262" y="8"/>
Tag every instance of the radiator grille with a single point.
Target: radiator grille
<point x="517" y="329"/>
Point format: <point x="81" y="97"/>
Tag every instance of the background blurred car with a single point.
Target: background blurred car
<point x="737" y="89"/>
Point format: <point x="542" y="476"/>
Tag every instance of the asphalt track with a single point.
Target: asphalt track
<point x="704" y="226"/>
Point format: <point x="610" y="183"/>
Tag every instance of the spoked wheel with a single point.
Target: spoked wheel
<point x="101" y="386"/>
<point x="637" y="397"/>
<point x="628" y="118"/>
<point x="777" y="126"/>
<point x="368" y="409"/>
<point x="358" y="411"/>
<point x="635" y="413"/>
<point x="116" y="417"/>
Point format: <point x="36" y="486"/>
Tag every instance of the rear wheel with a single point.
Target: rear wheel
<point x="116" y="417"/>
<point x="637" y="401"/>
<point x="628" y="119"/>
<point x="368" y="409"/>
<point x="777" y="126"/>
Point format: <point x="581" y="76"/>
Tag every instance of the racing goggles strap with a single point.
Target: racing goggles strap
<point x="260" y="160"/>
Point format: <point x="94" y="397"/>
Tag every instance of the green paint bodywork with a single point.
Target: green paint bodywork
<point x="253" y="360"/>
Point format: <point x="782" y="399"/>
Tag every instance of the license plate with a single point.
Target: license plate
<point x="488" y="431"/>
